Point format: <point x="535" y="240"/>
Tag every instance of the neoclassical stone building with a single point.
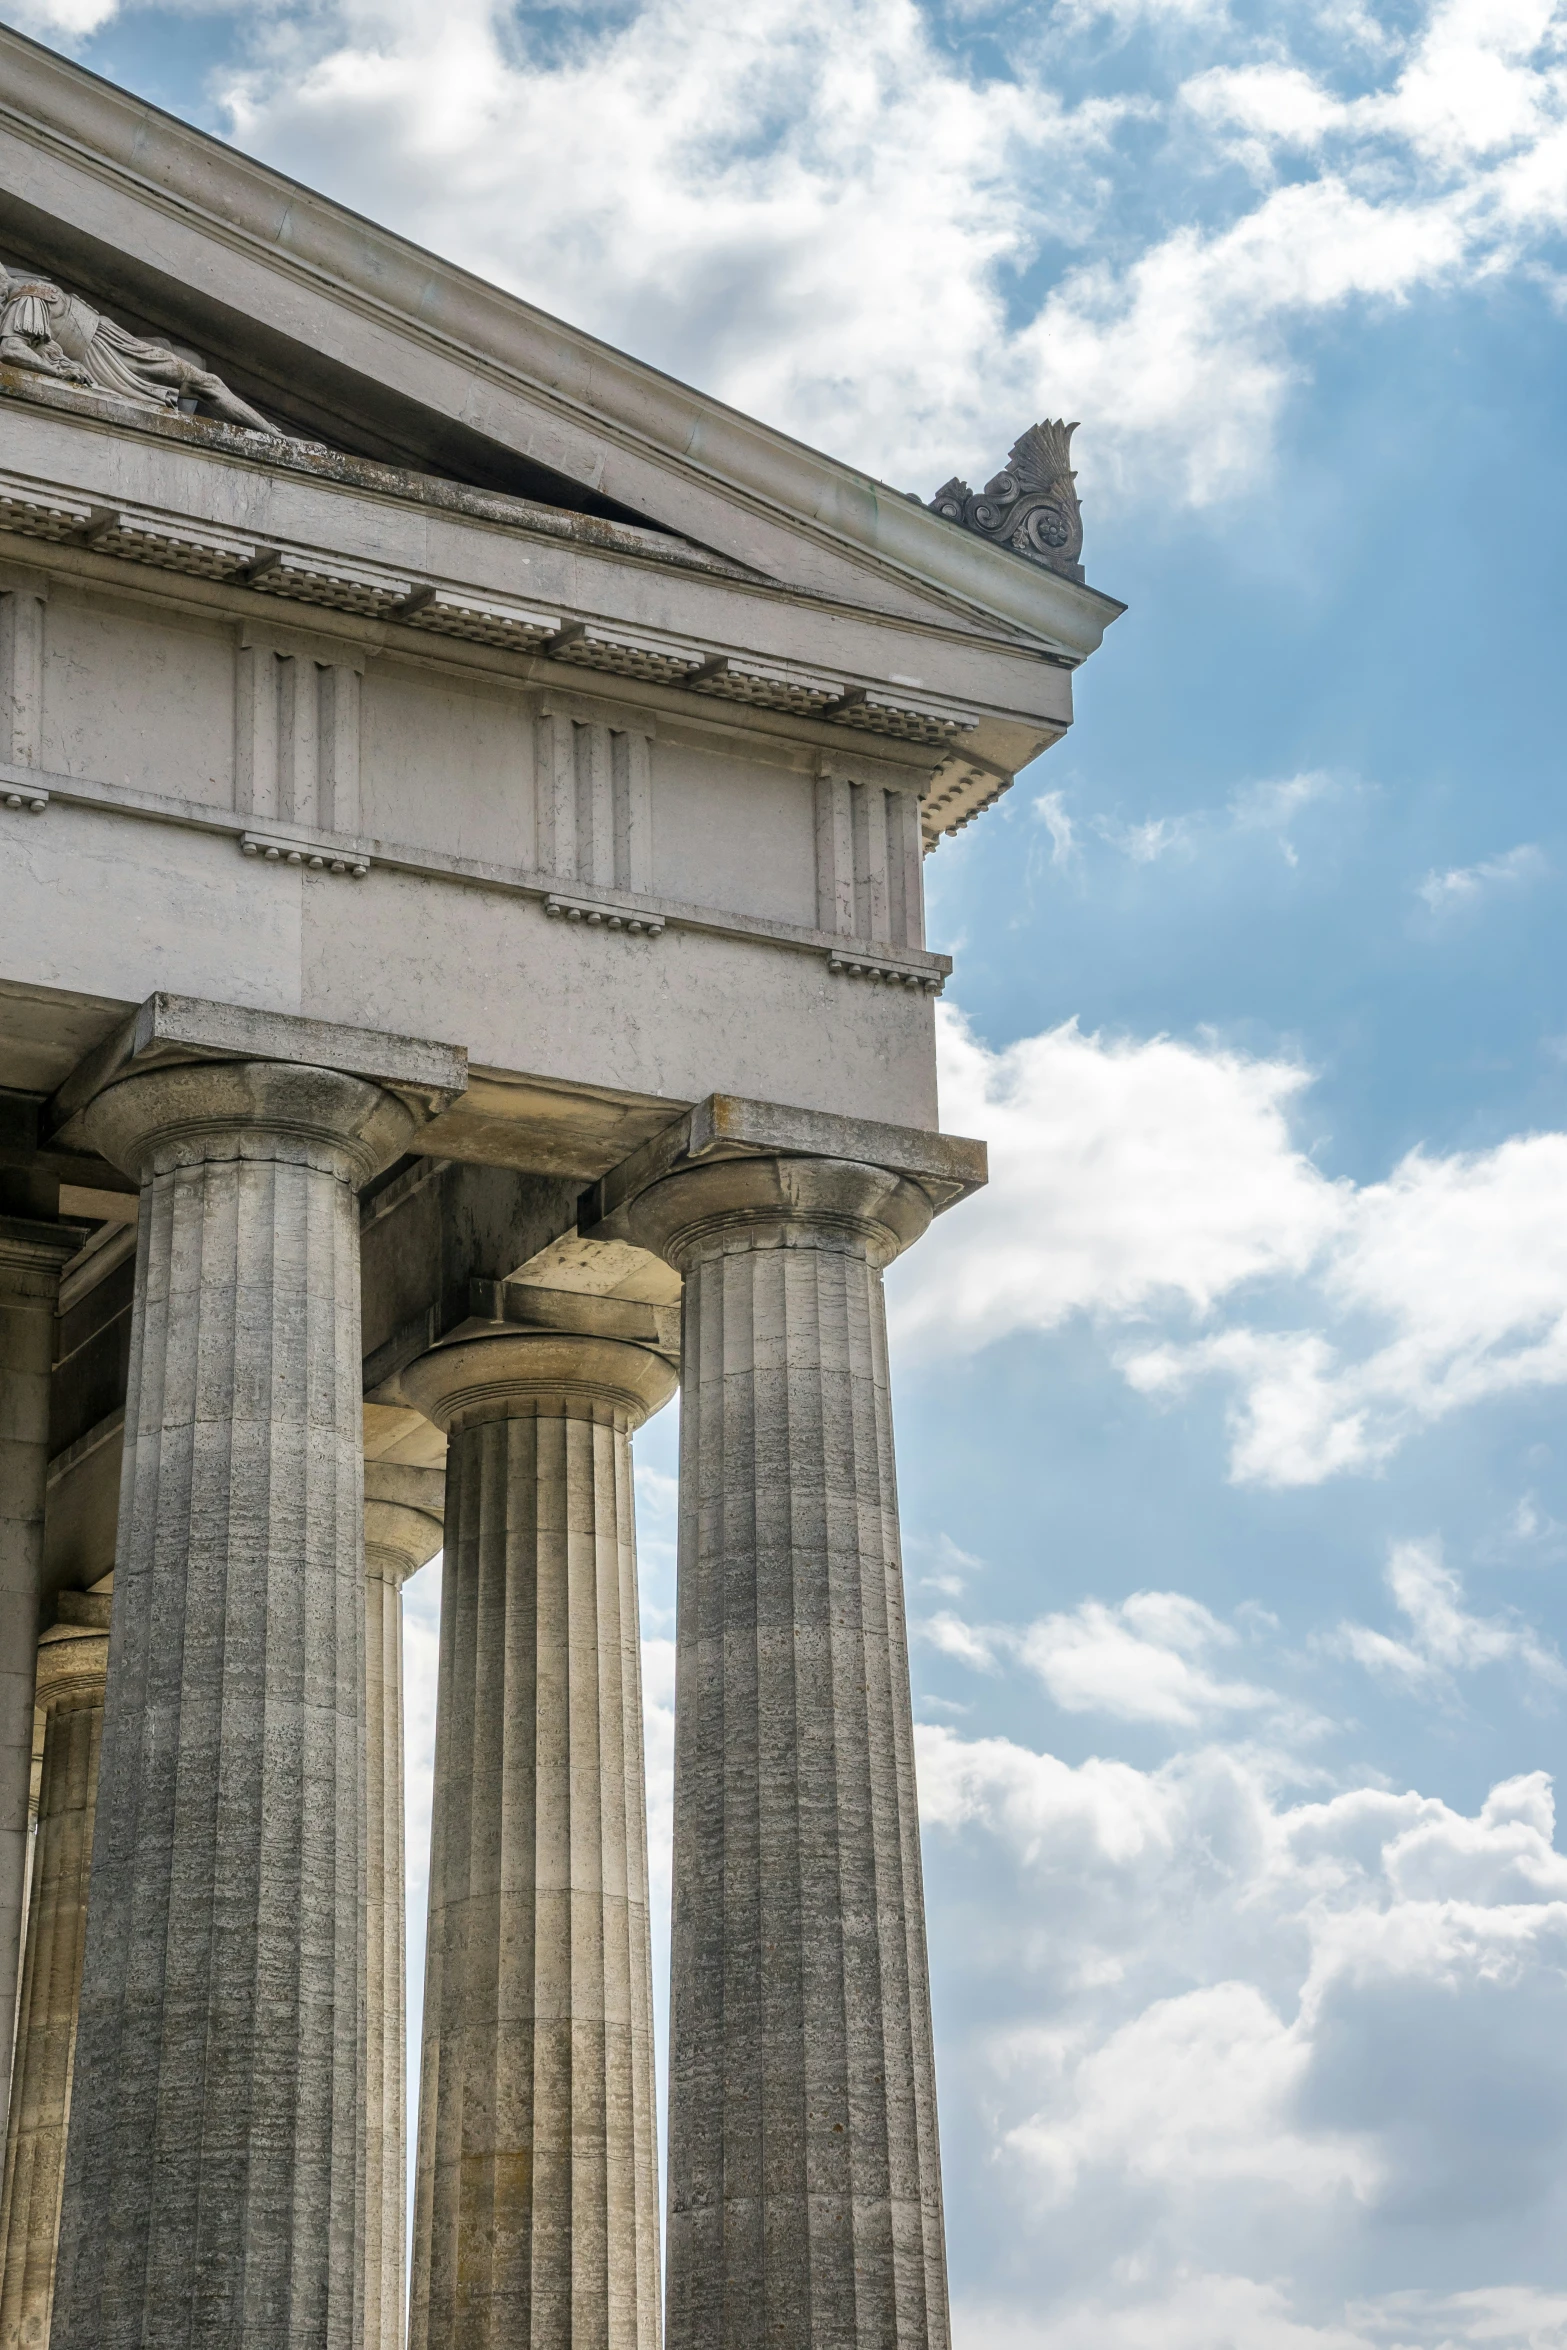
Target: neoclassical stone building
<point x="462" y="973"/>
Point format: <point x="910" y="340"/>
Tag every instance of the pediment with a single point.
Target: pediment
<point x="348" y="336"/>
<point x="311" y="398"/>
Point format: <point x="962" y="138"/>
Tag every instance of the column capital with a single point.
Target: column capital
<point x="184" y="1080"/>
<point x="73" y="1654"/>
<point x="403" y="1518"/>
<point x="73" y="1666"/>
<point x="190" y="1112"/>
<point x="705" y="1210"/>
<point x="889" y="1179"/>
<point x="523" y="1374"/>
<point x="171" y="1030"/>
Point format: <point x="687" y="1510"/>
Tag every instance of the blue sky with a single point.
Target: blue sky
<point x="1230" y="1419"/>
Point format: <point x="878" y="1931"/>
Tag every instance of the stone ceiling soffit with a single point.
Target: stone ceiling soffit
<point x="313" y="286"/>
<point x="45" y="1032"/>
<point x="507" y="1120"/>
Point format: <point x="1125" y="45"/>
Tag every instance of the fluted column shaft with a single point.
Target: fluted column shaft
<point x="535" y="2213"/>
<point x="214" y="2189"/>
<point x="400" y="1537"/>
<point x="73" y="1664"/>
<point x="804" y="2174"/>
<point x="32" y="1253"/>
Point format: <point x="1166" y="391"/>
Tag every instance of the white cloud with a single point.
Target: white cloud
<point x="1506" y="2317"/>
<point x="1183" y="358"/>
<point x="421" y="1663"/>
<point x="1137" y="1179"/>
<point x="658" y="1533"/>
<point x="1463" y="885"/>
<point x="1253" y="2039"/>
<point x="75" y="19"/>
<point x="421" y="1659"/>
<point x="1195" y="2089"/>
<point x="1444" y="1638"/>
<point x="1273" y="806"/>
<point x="1458" y="1265"/>
<point x="1441" y="177"/>
<point x="1272" y="106"/>
<point x="1050" y="808"/>
<point x="1124" y="1176"/>
<point x="950" y="1569"/>
<point x="1217" y="2312"/>
<point x="1190" y="2312"/>
<point x="1269" y="807"/>
<point x="966" y="1644"/>
<point x="1146" y="843"/>
<point x="1146" y="1660"/>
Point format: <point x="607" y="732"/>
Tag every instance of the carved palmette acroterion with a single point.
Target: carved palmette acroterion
<point x="1031" y="506"/>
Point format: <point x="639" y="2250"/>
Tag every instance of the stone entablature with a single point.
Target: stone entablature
<point x="579" y="769"/>
<point x="304" y="525"/>
<point x="309" y="731"/>
<point x="320" y="547"/>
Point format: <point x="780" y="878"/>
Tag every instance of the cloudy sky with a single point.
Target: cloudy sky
<point x="1231" y="1417"/>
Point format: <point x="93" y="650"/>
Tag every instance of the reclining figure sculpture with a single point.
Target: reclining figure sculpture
<point x="50" y="332"/>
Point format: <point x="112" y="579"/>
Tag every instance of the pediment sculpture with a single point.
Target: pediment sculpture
<point x="46" y="331"/>
<point x="1031" y="506"/>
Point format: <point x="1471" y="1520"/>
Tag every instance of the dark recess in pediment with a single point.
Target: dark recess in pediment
<point x="298" y="387"/>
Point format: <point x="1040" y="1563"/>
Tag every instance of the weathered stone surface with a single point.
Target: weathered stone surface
<point x="32" y="1252"/>
<point x="402" y="1533"/>
<point x="536" y="2215"/>
<point x="946" y="1167"/>
<point x="215" y="2167"/>
<point x="73" y="1664"/>
<point x="45" y="331"/>
<point x="804" y="2173"/>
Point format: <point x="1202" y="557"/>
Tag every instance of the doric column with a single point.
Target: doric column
<point x="73" y="1664"/>
<point x="535" y="2213"/>
<point x="804" y="2175"/>
<point x="402" y="1533"/>
<point x="214" y="2187"/>
<point x="32" y="1253"/>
